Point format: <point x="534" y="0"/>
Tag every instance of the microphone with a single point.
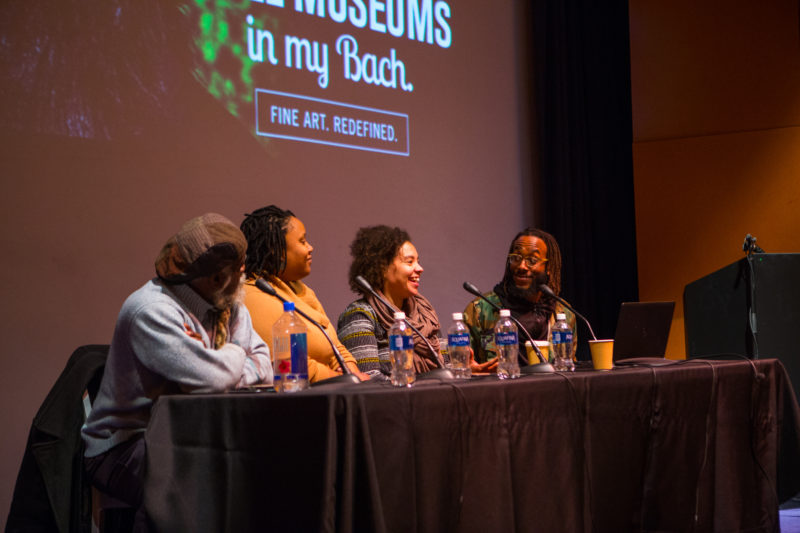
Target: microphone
<point x="543" y="366"/>
<point x="347" y="374"/>
<point x="441" y="372"/>
<point x="749" y="246"/>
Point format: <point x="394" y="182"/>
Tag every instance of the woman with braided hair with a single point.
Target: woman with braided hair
<point x="278" y="251"/>
<point x="533" y="259"/>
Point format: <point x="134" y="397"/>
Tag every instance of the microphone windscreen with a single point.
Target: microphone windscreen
<point x="363" y="283"/>
<point x="265" y="286"/>
<point x="469" y="287"/>
<point x="547" y="290"/>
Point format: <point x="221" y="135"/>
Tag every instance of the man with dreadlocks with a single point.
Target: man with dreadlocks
<point x="183" y="331"/>
<point x="278" y="251"/>
<point x="533" y="259"/>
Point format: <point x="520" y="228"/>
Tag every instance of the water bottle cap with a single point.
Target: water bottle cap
<point x="505" y="312"/>
<point x="458" y="316"/>
<point x="399" y="315"/>
<point x="288" y="306"/>
<point x="561" y="316"/>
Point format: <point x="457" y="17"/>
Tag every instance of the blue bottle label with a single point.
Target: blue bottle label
<point x="505" y="339"/>
<point x="401" y="342"/>
<point x="460" y="339"/>
<point x="561" y="337"/>
<point x="299" y="350"/>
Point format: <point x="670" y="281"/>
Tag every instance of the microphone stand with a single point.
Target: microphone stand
<point x="438" y="373"/>
<point x="347" y="374"/>
<point x="543" y="366"/>
<point x="548" y="291"/>
<point x="750" y="247"/>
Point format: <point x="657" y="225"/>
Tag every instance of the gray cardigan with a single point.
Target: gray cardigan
<point x="152" y="354"/>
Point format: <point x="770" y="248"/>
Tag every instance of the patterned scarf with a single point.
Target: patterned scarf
<point x="421" y="314"/>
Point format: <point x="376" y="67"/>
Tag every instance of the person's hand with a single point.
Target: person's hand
<point x="193" y="334"/>
<point x="359" y="374"/>
<point x="488" y="366"/>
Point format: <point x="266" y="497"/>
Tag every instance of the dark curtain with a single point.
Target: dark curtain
<point x="581" y="117"/>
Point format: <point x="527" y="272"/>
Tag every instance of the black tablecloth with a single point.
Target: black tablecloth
<point x="696" y="446"/>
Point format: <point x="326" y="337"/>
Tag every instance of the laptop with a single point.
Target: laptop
<point x="642" y="332"/>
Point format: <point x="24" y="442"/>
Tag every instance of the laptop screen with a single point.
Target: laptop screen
<point x="642" y="329"/>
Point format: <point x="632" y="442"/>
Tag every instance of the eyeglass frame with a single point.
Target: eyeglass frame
<point x="527" y="259"/>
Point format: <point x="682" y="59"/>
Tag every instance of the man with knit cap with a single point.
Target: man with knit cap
<point x="183" y="331"/>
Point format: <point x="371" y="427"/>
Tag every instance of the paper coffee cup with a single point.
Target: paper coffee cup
<point x="543" y="346"/>
<point x="602" y="353"/>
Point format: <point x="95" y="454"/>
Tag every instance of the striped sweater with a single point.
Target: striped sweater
<point x="364" y="336"/>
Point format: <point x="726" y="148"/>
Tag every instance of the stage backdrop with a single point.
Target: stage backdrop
<point x="121" y="119"/>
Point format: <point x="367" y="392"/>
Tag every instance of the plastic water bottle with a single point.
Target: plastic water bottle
<point x="507" y="345"/>
<point x="458" y="347"/>
<point x="561" y="344"/>
<point x="290" y="351"/>
<point x="401" y="351"/>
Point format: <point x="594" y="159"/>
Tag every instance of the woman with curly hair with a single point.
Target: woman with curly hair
<point x="278" y="250"/>
<point x="533" y="259"/>
<point x="385" y="257"/>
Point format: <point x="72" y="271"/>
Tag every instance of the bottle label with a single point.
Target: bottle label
<point x="401" y="342"/>
<point x="506" y="338"/>
<point x="561" y="337"/>
<point x="460" y="339"/>
<point x="299" y="349"/>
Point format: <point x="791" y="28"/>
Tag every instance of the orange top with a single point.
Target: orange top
<point x="265" y="310"/>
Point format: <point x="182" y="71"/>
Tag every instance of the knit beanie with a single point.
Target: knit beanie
<point x="202" y="247"/>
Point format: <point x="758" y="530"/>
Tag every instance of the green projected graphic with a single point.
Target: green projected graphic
<point x="223" y="66"/>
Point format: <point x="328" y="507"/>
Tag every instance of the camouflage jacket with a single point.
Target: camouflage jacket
<point x="480" y="317"/>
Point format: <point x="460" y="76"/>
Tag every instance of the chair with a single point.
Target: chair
<point x="52" y="492"/>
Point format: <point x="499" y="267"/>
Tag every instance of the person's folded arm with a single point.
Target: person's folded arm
<point x="159" y="338"/>
<point x="258" y="366"/>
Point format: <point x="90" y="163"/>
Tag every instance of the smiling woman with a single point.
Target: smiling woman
<point x="278" y="250"/>
<point x="385" y="257"/>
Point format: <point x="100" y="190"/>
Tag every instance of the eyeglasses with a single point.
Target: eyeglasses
<point x="530" y="262"/>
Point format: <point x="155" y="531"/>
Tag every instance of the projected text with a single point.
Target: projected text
<point x="303" y="118"/>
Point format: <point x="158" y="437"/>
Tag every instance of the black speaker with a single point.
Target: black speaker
<point x="751" y="308"/>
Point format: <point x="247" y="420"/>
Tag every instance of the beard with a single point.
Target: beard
<point x="529" y="293"/>
<point x="231" y="295"/>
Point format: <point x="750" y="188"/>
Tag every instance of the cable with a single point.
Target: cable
<point x="751" y="308"/>
<point x="711" y="402"/>
<point x="462" y="407"/>
<point x="580" y="416"/>
<point x="757" y="377"/>
<point x="755" y="389"/>
<point x="726" y="355"/>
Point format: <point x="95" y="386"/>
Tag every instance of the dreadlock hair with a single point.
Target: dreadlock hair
<point x="553" y="265"/>
<point x="373" y="250"/>
<point x="265" y="231"/>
